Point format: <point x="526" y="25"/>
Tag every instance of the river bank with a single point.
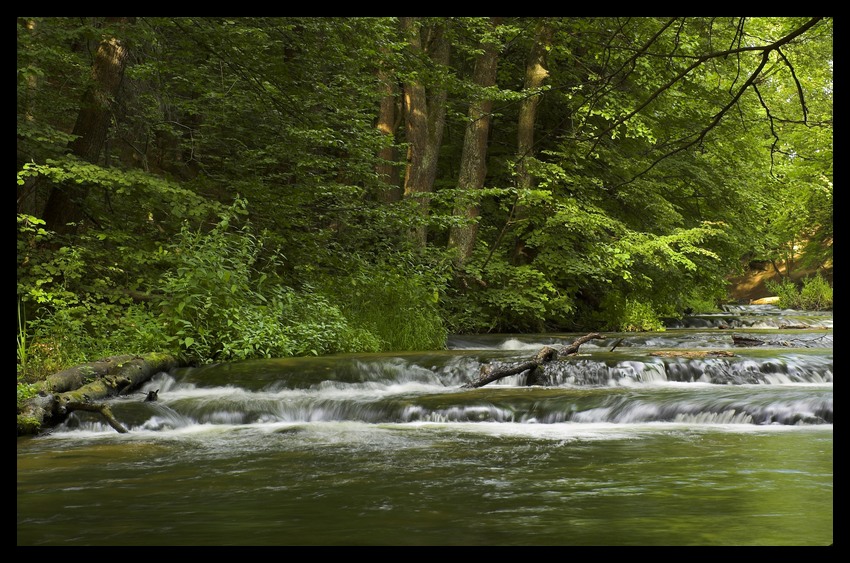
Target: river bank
<point x="751" y="286"/>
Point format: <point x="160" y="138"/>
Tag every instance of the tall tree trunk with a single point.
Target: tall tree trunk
<point x="26" y="196"/>
<point x="64" y="205"/>
<point x="388" y="123"/>
<point x="473" y="166"/>
<point x="535" y="74"/>
<point x="425" y="117"/>
<point x="32" y="78"/>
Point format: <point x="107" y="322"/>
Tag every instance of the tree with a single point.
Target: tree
<point x="389" y="119"/>
<point x="425" y="114"/>
<point x="650" y="163"/>
<point x="65" y="204"/>
<point x="535" y="74"/>
<point x="473" y="166"/>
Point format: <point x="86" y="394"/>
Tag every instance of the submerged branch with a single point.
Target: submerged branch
<point x="545" y="355"/>
<point x="102" y="408"/>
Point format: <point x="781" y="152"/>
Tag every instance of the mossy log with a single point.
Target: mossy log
<point x="79" y="387"/>
<point x="534" y="366"/>
<point x="77" y="376"/>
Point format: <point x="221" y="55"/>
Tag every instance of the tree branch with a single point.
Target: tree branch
<point x="751" y="81"/>
<point x="545" y="355"/>
<point x="101" y="408"/>
<point x="765" y="50"/>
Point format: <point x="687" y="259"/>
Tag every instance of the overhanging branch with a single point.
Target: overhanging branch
<point x="766" y="50"/>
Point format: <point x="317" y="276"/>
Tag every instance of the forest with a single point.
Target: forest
<point x="235" y="188"/>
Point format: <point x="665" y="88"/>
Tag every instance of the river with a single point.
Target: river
<point x="624" y="447"/>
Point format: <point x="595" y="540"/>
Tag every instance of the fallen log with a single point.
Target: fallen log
<point x="534" y="366"/>
<point x="77" y="376"/>
<point x="78" y="388"/>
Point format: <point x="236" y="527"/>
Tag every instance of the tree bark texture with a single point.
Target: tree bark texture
<point x="64" y="205"/>
<point x="473" y="166"/>
<point x="388" y="122"/>
<point x="535" y="74"/>
<point x="78" y="388"/>
<point x="425" y="118"/>
<point x="533" y="366"/>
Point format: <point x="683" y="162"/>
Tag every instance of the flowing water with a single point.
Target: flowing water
<point x="623" y="447"/>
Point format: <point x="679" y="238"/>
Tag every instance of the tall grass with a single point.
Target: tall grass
<point x="22" y="341"/>
<point x="395" y="303"/>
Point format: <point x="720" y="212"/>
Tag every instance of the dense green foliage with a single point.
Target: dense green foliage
<point x="812" y="294"/>
<point x="235" y="209"/>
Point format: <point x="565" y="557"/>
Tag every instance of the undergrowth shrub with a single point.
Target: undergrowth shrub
<point x="625" y="314"/>
<point x="639" y="317"/>
<point x="224" y="301"/>
<point x="512" y="299"/>
<point x="396" y="301"/>
<point x="813" y="294"/>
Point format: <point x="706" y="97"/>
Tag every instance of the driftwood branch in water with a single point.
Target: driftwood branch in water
<point x="617" y="343"/>
<point x="546" y="354"/>
<point x="103" y="409"/>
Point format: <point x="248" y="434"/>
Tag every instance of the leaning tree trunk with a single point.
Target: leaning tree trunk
<point x="80" y="387"/>
<point x="64" y="205"/>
